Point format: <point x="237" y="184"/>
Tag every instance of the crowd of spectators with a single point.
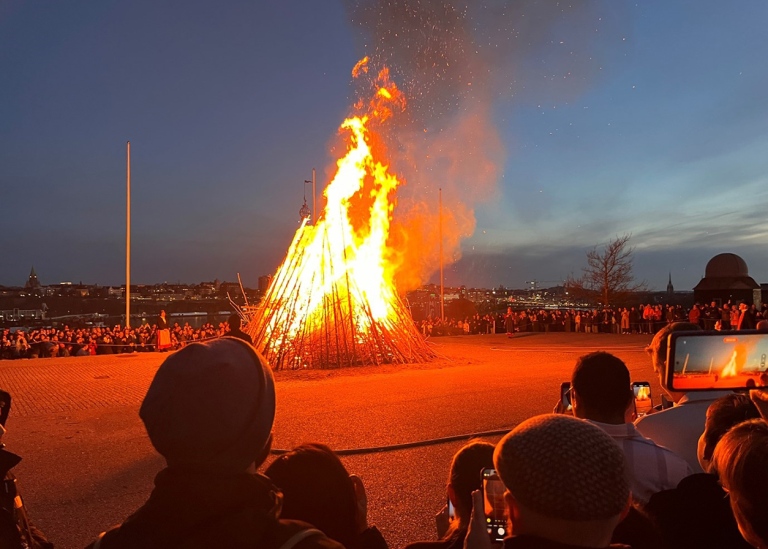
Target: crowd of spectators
<point x="102" y="340"/>
<point x="640" y="319"/>
<point x="591" y="475"/>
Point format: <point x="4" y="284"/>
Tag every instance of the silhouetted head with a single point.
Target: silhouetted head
<point x="465" y="478"/>
<point x="741" y="461"/>
<point x="601" y="388"/>
<point x="566" y="479"/>
<point x="658" y="351"/>
<point x="210" y="407"/>
<point x="723" y="414"/>
<point x="317" y="489"/>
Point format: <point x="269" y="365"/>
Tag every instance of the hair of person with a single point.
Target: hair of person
<point x="724" y="413"/>
<point x="658" y="346"/>
<point x="317" y="489"/>
<point x="601" y="381"/>
<point x="741" y="461"/>
<point x="465" y="476"/>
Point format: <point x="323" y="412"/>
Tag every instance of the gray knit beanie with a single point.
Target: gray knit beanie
<point x="564" y="468"/>
<point x="211" y="406"/>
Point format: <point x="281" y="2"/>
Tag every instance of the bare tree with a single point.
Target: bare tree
<point x="608" y="277"/>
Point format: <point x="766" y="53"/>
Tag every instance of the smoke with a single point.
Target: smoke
<point x="458" y="63"/>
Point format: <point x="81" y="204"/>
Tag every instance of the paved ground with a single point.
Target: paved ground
<point x="88" y="463"/>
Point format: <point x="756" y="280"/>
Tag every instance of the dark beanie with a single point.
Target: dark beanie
<point x="211" y="406"/>
<point x="564" y="468"/>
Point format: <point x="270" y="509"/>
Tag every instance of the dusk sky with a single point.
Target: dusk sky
<point x="556" y="126"/>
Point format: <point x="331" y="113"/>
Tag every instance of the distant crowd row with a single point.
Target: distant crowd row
<point x="66" y="341"/>
<point x="643" y="319"/>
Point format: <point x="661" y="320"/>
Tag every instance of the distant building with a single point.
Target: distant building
<point x="726" y="278"/>
<point x="670" y="288"/>
<point x="32" y="282"/>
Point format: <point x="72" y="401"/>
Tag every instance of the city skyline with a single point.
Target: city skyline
<point x="551" y="130"/>
<point x="528" y="285"/>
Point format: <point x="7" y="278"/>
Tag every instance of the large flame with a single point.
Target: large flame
<point x="333" y="300"/>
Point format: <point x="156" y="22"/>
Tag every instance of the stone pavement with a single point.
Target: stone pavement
<point x="61" y="385"/>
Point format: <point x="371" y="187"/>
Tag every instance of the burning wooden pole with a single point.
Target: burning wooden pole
<point x="342" y="330"/>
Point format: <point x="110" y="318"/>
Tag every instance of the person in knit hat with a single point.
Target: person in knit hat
<point x="209" y="412"/>
<point x="567" y="486"/>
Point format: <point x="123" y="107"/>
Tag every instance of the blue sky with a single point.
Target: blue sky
<point x="581" y="124"/>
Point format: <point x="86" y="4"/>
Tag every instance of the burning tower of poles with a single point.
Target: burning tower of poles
<point x="333" y="301"/>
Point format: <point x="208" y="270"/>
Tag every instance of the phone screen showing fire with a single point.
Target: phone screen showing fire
<point x="718" y="361"/>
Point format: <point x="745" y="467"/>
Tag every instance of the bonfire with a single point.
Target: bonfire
<point x="333" y="301"/>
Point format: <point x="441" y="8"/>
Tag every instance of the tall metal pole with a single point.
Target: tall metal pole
<point x="314" y="211"/>
<point x="440" y="238"/>
<point x="128" y="236"/>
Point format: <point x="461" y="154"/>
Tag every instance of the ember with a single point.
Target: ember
<point x="333" y="300"/>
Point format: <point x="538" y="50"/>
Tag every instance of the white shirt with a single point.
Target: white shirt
<point x="679" y="428"/>
<point x="653" y="467"/>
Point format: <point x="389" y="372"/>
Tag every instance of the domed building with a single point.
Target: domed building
<point x="726" y="278"/>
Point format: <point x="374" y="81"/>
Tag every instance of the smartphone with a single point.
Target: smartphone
<point x="451" y="511"/>
<point x="703" y="361"/>
<point x="565" y="396"/>
<point x="643" y="398"/>
<point x="493" y="505"/>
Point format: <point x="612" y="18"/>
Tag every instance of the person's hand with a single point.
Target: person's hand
<point x="561" y="409"/>
<point x="442" y="522"/>
<point x="477" y="534"/>
<point x="362" y="503"/>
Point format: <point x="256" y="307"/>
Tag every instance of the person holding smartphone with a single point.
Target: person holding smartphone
<point x="679" y="427"/>
<point x="601" y="393"/>
<point x="556" y="499"/>
<point x="464" y="478"/>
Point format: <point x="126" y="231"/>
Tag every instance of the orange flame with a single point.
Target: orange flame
<point x="337" y="280"/>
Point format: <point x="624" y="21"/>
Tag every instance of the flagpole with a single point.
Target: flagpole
<point x="128" y="235"/>
<point x="314" y="211"/>
<point x="440" y="238"/>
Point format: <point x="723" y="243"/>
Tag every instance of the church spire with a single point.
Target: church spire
<point x="670" y="288"/>
<point x="32" y="281"/>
